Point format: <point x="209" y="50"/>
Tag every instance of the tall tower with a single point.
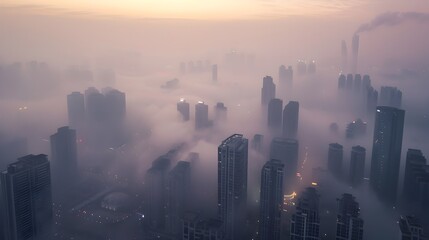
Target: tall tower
<point x="414" y="171"/>
<point x="386" y="152"/>
<point x="335" y="159"/>
<point x="183" y="109"/>
<point x="355" y="51"/>
<point x="76" y="110"/>
<point x="286" y="151"/>
<point x="232" y="185"/>
<point x="349" y="223"/>
<point x="214" y="73"/>
<point x="201" y="115"/>
<point x="290" y="119"/>
<point x="178" y="191"/>
<point x="271" y="200"/>
<point x="357" y="165"/>
<point x="268" y="90"/>
<point x="275" y="114"/>
<point x="64" y="157"/>
<point x="26" y="198"/>
<point x="305" y="223"/>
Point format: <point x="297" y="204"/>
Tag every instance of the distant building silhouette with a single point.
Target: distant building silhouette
<point x="268" y="90"/>
<point x="271" y="200"/>
<point x="349" y="223"/>
<point x="411" y="229"/>
<point x="232" y="185"/>
<point x="356" y="128"/>
<point x="342" y="82"/>
<point x="183" y="109"/>
<point x="305" y="222"/>
<point x="311" y="67"/>
<point x="275" y="108"/>
<point x="371" y="100"/>
<point x="76" y="110"/>
<point x="286" y="151"/>
<point x="27" y="198"/>
<point x="355" y="53"/>
<point x="390" y="96"/>
<point x="195" y="227"/>
<point x="220" y="111"/>
<point x="416" y="181"/>
<point x="386" y="152"/>
<point x="357" y="165"/>
<point x="257" y="142"/>
<point x="357" y="83"/>
<point x="335" y="159"/>
<point x="285" y="74"/>
<point x="349" y="81"/>
<point x="290" y="119"/>
<point x="301" y="67"/>
<point x="179" y="183"/>
<point x="64" y="158"/>
<point x="201" y="115"/>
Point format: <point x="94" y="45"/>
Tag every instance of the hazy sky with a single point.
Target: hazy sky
<point x="214" y="9"/>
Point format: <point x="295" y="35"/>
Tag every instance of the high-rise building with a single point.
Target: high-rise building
<point x="290" y="119"/>
<point x="268" y="90"/>
<point x="366" y="82"/>
<point x="349" y="223"/>
<point x="275" y="113"/>
<point x="27" y="199"/>
<point x="357" y="83"/>
<point x="214" y="73"/>
<point x="342" y="82"/>
<point x="116" y="106"/>
<point x="64" y="158"/>
<point x="232" y="185"/>
<point x="311" y="67"/>
<point x="95" y="106"/>
<point x="220" y="111"/>
<point x="356" y="128"/>
<point x="344" y="58"/>
<point x="285" y="74"/>
<point x="76" y="110"/>
<point x="371" y="100"/>
<point x="257" y="142"/>
<point x="183" y="109"/>
<point x="335" y="159"/>
<point x="414" y="172"/>
<point x="178" y="191"/>
<point x="386" y="152"/>
<point x="349" y="81"/>
<point x="411" y="229"/>
<point x="286" y="151"/>
<point x="390" y="96"/>
<point x="301" y="67"/>
<point x="196" y="227"/>
<point x="305" y="222"/>
<point x="357" y="165"/>
<point x="355" y="51"/>
<point x="201" y="115"/>
<point x="271" y="200"/>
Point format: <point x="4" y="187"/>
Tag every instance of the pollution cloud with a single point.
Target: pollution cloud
<point x="393" y="19"/>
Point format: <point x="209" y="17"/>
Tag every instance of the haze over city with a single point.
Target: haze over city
<point x="244" y="119"/>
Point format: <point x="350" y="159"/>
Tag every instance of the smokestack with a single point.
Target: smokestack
<point x="355" y="50"/>
<point x="344" y="63"/>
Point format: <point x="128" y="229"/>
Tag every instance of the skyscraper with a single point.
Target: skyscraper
<point x="286" y="151"/>
<point x="26" y="198"/>
<point x="76" y="110"/>
<point x="349" y="81"/>
<point x="257" y="142"/>
<point x="271" y="200"/>
<point x="64" y="158"/>
<point x="349" y="224"/>
<point x="301" y="67"/>
<point x="183" y="109"/>
<point x="357" y="83"/>
<point x="335" y="159"/>
<point x="305" y="222"/>
<point x="371" y="100"/>
<point x="285" y="74"/>
<point x="386" y="152"/>
<point x="355" y="51"/>
<point x="220" y="111"/>
<point x="311" y="67"/>
<point x="195" y="227"/>
<point x="232" y="185"/>
<point x="275" y="113"/>
<point x="414" y="171"/>
<point x="290" y="119"/>
<point x="178" y="191"/>
<point x="357" y="165"/>
<point x="201" y="115"/>
<point x="268" y="90"/>
<point x="411" y="228"/>
<point x="342" y="82"/>
<point x="390" y="96"/>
